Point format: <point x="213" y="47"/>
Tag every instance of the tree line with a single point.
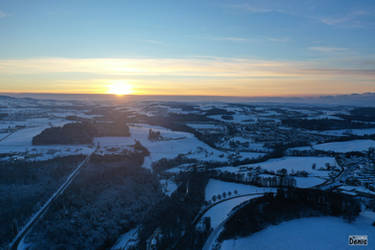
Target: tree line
<point x="286" y="205"/>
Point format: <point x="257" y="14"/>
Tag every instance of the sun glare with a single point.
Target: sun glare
<point x="119" y="88"/>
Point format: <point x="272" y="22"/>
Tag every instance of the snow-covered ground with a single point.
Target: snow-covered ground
<point x="205" y="126"/>
<point x="172" y="144"/>
<point x="323" y="116"/>
<point x="168" y="186"/>
<point x="20" y="142"/>
<point x="341" y="132"/>
<point x="3" y="135"/>
<point x="308" y="233"/>
<point x="353" y="189"/>
<point x="346" y="146"/>
<point x="292" y="163"/>
<point x="219" y="212"/>
<point x="308" y="182"/>
<point x="215" y="187"/>
<point x="41" y="153"/>
<point x="24" y="136"/>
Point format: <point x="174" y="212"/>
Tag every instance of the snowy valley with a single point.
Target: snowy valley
<point x="176" y="175"/>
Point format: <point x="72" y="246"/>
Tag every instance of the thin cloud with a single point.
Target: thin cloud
<point x="333" y="21"/>
<point x="183" y="67"/>
<point x="218" y="76"/>
<point x="254" y="39"/>
<point x="279" y="39"/>
<point x="328" y="49"/>
<point x="351" y="19"/>
<point x="3" y="14"/>
<point x="258" y="9"/>
<point x="253" y="9"/>
<point x="232" y="39"/>
<point x="154" y="41"/>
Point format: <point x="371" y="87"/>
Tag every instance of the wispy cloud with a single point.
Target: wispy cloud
<point x="157" y="42"/>
<point x="198" y="75"/>
<point x="323" y="49"/>
<point x="350" y="19"/>
<point x="187" y="67"/>
<point x="3" y="14"/>
<point x="279" y="39"/>
<point x="232" y="39"/>
<point x="256" y="9"/>
<point x="253" y="9"/>
<point x="252" y="39"/>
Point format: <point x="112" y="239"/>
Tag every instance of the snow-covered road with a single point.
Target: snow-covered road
<point x="215" y="233"/>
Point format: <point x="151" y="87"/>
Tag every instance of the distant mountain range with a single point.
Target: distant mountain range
<point x="365" y="99"/>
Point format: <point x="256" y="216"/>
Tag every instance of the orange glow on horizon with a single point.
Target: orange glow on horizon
<point x="181" y="77"/>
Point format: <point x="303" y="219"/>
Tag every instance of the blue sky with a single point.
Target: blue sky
<point x="327" y="39"/>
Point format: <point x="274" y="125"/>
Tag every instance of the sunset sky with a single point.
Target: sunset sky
<point x="225" y="48"/>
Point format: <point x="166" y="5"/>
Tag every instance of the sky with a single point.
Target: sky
<point x="188" y="47"/>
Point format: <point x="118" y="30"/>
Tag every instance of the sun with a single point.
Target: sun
<point x="119" y="88"/>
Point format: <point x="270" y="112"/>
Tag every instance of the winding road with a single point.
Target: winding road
<point x="214" y="234"/>
<point x="202" y="212"/>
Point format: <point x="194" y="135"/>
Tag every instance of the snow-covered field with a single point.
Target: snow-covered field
<point x="298" y="164"/>
<point x="41" y="153"/>
<point x="341" y="132"/>
<point x="172" y="144"/>
<point x="354" y="189"/>
<point x="20" y="142"/>
<point x="346" y="146"/>
<point x="219" y="212"/>
<point x="308" y="234"/>
<point x="215" y="187"/>
<point x="24" y="136"/>
<point x="308" y="182"/>
<point x="205" y="126"/>
<point x="316" y="176"/>
<point x="3" y="135"/>
<point x="323" y="116"/>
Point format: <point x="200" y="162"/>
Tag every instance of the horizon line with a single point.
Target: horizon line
<point x="179" y="95"/>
